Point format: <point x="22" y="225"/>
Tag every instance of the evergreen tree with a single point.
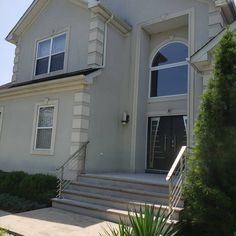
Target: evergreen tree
<point x="210" y="188"/>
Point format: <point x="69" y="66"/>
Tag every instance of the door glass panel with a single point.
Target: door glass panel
<point x="166" y="136"/>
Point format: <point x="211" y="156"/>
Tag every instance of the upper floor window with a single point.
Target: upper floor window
<point x="169" y="71"/>
<point x="50" y="55"/>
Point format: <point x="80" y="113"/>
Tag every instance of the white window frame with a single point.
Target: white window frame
<point x="1" y="119"/>
<point x="37" y="151"/>
<point x="167" y="66"/>
<point x="36" y="58"/>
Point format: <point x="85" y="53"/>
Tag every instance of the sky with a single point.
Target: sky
<point x="11" y="11"/>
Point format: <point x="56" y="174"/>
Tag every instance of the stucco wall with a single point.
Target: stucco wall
<point x="109" y="148"/>
<point x="17" y="128"/>
<point x="58" y="16"/>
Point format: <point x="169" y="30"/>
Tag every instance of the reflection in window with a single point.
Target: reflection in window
<point x="169" y="71"/>
<point x="50" y="55"/>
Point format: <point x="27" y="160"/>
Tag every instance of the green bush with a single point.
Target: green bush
<point x="145" y="222"/>
<point x="38" y="187"/>
<point x="15" y="204"/>
<point x="210" y="189"/>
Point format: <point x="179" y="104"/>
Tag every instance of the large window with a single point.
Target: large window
<point x="44" y="128"/>
<point x="50" y="55"/>
<point x="169" y="71"/>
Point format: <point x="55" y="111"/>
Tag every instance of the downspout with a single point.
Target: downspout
<point x="105" y="43"/>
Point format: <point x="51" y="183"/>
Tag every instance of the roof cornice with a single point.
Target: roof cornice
<point x="97" y="8"/>
<point x="26" y="20"/>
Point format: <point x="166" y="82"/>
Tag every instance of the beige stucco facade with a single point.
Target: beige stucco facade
<point x="119" y="39"/>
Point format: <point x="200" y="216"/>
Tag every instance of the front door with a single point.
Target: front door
<point x="166" y="135"/>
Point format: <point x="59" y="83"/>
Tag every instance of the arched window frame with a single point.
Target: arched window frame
<point x="171" y="65"/>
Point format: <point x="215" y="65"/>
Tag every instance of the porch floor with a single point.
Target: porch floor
<point x="137" y="177"/>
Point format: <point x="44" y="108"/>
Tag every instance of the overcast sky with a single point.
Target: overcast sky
<point x="11" y="11"/>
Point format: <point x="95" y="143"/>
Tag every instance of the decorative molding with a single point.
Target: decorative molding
<point x="80" y="120"/>
<point x="16" y="62"/>
<point x="78" y="83"/>
<point x="96" y="40"/>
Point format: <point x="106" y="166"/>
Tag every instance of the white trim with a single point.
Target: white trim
<point x="167" y="66"/>
<point x="46" y="152"/>
<point x="178" y="97"/>
<point x="65" y="31"/>
<point x="1" y="119"/>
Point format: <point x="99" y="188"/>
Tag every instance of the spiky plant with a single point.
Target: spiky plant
<point x="145" y="222"/>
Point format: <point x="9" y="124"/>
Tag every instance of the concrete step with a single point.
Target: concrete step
<point x="138" y="195"/>
<point x="92" y="210"/>
<point x="126" y="182"/>
<point x="113" y="202"/>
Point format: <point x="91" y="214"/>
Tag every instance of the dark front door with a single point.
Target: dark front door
<point x="166" y="135"/>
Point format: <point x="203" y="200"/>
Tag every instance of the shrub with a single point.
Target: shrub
<point x="38" y="187"/>
<point x="145" y="223"/>
<point x="210" y="189"/>
<point x="15" y="204"/>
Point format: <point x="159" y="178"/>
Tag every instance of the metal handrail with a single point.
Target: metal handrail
<point x="175" y="178"/>
<point x="66" y="175"/>
<point x="73" y="155"/>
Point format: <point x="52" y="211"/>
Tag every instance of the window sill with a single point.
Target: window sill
<point x="168" y="98"/>
<point x="35" y="77"/>
<point x="42" y="153"/>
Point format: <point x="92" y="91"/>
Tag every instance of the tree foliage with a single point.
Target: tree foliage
<point x="210" y="188"/>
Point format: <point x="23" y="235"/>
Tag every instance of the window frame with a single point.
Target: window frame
<point x="41" y="151"/>
<point x="1" y="118"/>
<point x="36" y="58"/>
<point x="166" y="66"/>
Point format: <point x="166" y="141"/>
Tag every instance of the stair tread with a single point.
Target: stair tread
<point x="122" y="189"/>
<point x="126" y="180"/>
<point x="90" y="206"/>
<point x="115" y="199"/>
<point x="95" y="207"/>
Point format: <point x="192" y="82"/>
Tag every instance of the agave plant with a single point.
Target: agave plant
<point x="145" y="222"/>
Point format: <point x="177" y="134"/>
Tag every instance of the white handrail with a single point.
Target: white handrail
<point x="175" y="178"/>
<point x="176" y="162"/>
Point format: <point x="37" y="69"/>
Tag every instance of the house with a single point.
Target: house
<point x="125" y="75"/>
<point x="83" y="66"/>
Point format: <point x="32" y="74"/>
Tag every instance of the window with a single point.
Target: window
<point x="1" y="118"/>
<point x="50" y="55"/>
<point x="169" y="71"/>
<point x="44" y="128"/>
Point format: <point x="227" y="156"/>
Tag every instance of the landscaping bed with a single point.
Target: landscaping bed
<point x="21" y="192"/>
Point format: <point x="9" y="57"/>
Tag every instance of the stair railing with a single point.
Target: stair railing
<point x="71" y="169"/>
<point x="175" y="179"/>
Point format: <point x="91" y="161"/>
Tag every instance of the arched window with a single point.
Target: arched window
<point x="169" y="70"/>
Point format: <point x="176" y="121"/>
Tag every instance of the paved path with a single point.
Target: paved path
<point x="52" y="222"/>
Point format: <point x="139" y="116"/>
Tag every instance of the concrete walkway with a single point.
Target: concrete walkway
<point x="52" y="222"/>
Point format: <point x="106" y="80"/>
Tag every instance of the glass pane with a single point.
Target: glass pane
<point x="42" y="66"/>
<point x="171" y="53"/>
<point x="44" y="48"/>
<point x="46" y="117"/>
<point x="57" y="62"/>
<point x="171" y="81"/>
<point x="58" y="44"/>
<point x="44" y="137"/>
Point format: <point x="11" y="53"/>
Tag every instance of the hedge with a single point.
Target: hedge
<point x="37" y="187"/>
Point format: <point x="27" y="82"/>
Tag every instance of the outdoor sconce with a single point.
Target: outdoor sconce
<point x="125" y="119"/>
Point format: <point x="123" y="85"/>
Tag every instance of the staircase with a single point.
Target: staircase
<point x="109" y="197"/>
